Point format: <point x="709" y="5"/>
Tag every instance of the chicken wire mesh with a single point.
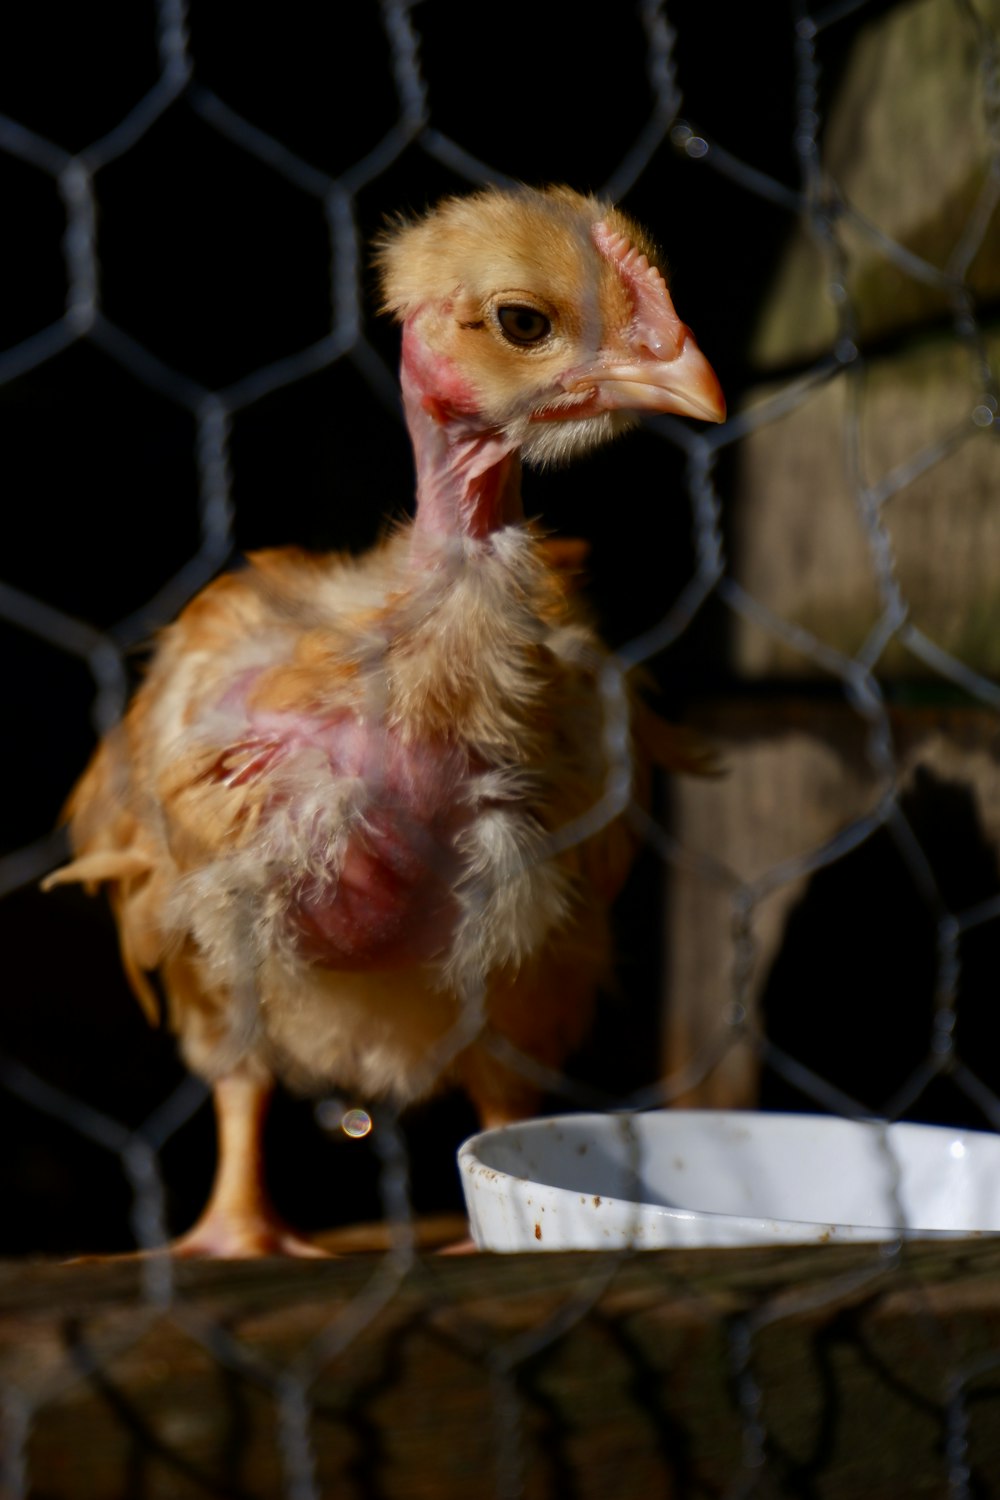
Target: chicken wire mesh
<point x="191" y="369"/>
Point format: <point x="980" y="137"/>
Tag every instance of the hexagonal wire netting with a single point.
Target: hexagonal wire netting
<point x="191" y="367"/>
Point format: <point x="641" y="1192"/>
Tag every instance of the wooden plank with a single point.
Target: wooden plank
<point x="623" y="1376"/>
<point x="906" y="140"/>
<point x="797" y="773"/>
<point x="800" y="545"/>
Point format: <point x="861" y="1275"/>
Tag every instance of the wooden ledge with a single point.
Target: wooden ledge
<point x="836" y="1370"/>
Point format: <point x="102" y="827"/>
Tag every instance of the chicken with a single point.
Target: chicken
<point x="330" y="818"/>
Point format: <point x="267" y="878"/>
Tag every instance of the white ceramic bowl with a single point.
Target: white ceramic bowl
<point x="706" y="1177"/>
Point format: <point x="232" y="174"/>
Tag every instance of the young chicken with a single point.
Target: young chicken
<point x="330" y="818"/>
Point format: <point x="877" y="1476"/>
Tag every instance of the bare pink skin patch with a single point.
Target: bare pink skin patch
<point x="437" y="378"/>
<point x="394" y="902"/>
<point x="468" y="475"/>
<point x="391" y="902"/>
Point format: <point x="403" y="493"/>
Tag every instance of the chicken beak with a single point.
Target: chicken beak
<point x="685" y="384"/>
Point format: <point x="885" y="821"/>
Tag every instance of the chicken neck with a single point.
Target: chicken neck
<point x="468" y="473"/>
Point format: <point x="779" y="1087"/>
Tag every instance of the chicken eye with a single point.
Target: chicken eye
<point x="523" y="325"/>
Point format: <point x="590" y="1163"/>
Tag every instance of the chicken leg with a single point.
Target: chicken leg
<point x="240" y="1221"/>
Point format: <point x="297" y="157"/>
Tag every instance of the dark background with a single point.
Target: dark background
<point x="218" y="265"/>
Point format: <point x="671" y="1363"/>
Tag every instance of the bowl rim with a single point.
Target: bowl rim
<point x="471" y="1165"/>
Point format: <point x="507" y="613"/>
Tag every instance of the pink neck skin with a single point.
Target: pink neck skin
<point x="468" y="475"/>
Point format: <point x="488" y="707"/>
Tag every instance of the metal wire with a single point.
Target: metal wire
<point x="416" y="139"/>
